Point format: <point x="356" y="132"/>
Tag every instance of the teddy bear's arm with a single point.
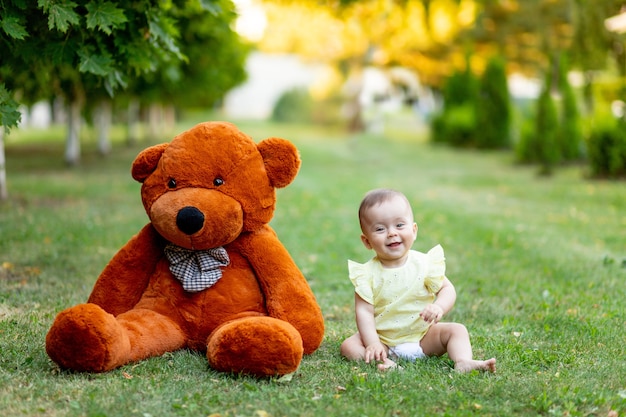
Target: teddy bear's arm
<point x="127" y="274"/>
<point x="287" y="293"/>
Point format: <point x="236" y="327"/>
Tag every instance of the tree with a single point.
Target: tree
<point x="67" y="48"/>
<point x="420" y="35"/>
<point x="456" y="124"/>
<point x="593" y="44"/>
<point x="84" y="46"/>
<point x="493" y="107"/>
<point x="546" y="129"/>
<point x="215" y="62"/>
<point x="570" y="136"/>
<point x="9" y="116"/>
<point x="94" y="42"/>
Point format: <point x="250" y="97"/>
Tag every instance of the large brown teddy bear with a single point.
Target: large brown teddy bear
<point x="207" y="273"/>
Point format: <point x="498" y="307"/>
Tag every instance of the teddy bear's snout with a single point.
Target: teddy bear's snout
<point x="189" y="220"/>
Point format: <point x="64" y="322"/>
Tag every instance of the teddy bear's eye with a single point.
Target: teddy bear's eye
<point x="218" y="181"/>
<point x="171" y="183"/>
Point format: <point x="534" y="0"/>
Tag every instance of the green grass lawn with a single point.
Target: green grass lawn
<point x="539" y="265"/>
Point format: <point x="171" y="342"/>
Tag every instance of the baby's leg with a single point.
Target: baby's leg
<point x="453" y="338"/>
<point x="353" y="349"/>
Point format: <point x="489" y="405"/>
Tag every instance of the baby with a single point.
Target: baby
<point x="401" y="294"/>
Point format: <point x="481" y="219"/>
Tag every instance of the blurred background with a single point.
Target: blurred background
<point x="543" y="79"/>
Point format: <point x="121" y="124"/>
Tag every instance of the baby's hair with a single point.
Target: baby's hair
<point x="376" y="197"/>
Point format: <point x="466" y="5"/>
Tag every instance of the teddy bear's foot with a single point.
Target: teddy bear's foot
<point x="87" y="338"/>
<point x="259" y="346"/>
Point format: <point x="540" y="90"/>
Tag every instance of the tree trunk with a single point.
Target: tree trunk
<point x="155" y="122"/>
<point x="102" y="121"/>
<point x="4" y="194"/>
<point x="133" y="122"/>
<point x="353" y="109"/>
<point x="72" y="145"/>
<point x="169" y="121"/>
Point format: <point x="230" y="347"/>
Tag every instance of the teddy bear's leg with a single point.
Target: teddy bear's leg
<point x="87" y="338"/>
<point x="150" y="333"/>
<point x="259" y="346"/>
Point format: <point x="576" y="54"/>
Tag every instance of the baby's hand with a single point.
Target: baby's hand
<point x="375" y="352"/>
<point x="432" y="313"/>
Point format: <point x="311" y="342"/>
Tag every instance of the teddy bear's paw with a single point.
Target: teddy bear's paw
<point x="87" y="338"/>
<point x="259" y="346"/>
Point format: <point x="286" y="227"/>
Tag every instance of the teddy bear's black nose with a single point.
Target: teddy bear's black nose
<point x="189" y="220"/>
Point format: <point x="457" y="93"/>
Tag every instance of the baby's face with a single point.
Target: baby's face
<point x="390" y="231"/>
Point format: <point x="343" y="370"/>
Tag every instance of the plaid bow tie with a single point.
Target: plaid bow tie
<point x="196" y="269"/>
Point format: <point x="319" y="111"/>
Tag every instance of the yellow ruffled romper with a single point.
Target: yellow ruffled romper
<point x="400" y="294"/>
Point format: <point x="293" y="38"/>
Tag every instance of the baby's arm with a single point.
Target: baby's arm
<point x="442" y="305"/>
<point x="374" y="348"/>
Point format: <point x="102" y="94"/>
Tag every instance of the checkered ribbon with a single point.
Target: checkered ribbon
<point x="196" y="269"/>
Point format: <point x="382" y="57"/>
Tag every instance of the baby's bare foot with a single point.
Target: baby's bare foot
<point x="388" y="365"/>
<point x="466" y="366"/>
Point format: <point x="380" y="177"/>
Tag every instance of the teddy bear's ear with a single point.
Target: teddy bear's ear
<point x="146" y="162"/>
<point x="281" y="159"/>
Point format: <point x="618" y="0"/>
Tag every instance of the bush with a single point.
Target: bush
<point x="528" y="147"/>
<point x="570" y="132"/>
<point x="493" y="107"/>
<point x="293" y="106"/>
<point x="460" y="89"/>
<point x="476" y="113"/>
<point x="556" y="135"/>
<point x="456" y="126"/>
<point x="606" y="148"/>
<point x="547" y="130"/>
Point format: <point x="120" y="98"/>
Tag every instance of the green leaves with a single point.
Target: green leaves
<point x="101" y="15"/>
<point x="105" y="16"/>
<point x="163" y="31"/>
<point x="211" y="7"/>
<point x="98" y="64"/>
<point x="13" y="27"/>
<point x="88" y="46"/>
<point x="9" y="115"/>
<point x="61" y="14"/>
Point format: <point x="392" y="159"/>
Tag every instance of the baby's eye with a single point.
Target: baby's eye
<point x="379" y="229"/>
<point x="400" y="225"/>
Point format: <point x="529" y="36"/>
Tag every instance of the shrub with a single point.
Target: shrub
<point x="477" y="113"/>
<point x="456" y="126"/>
<point x="460" y="88"/>
<point x="557" y="135"/>
<point x="570" y="132"/>
<point x="493" y="107"/>
<point x="293" y="106"/>
<point x="606" y="148"/>
<point x="547" y="130"/>
<point x="528" y="147"/>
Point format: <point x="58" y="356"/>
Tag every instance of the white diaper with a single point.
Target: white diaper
<point x="410" y="351"/>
